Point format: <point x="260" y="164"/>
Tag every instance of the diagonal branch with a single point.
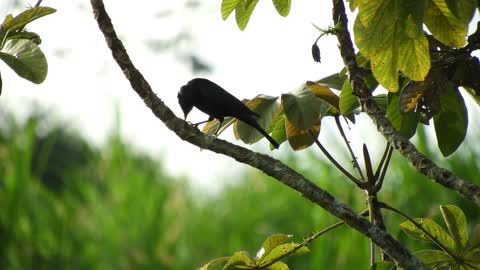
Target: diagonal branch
<point x="266" y="164"/>
<point x="423" y="165"/>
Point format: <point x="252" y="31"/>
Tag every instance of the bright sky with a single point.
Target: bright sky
<point x="85" y="87"/>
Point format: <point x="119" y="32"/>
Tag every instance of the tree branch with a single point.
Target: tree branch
<point x="266" y="164"/>
<point x="421" y="163"/>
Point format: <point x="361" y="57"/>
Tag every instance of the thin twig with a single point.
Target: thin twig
<point x="38" y="3"/>
<point x="354" y="159"/>
<point x="357" y="182"/>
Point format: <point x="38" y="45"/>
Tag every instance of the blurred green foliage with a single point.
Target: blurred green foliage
<point x="65" y="204"/>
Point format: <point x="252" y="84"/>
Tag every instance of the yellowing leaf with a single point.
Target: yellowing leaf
<point x="266" y="107"/>
<point x="390" y="38"/>
<point x="444" y="25"/>
<point x="300" y="139"/>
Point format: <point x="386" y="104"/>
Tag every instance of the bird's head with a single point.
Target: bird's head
<point x="185" y="100"/>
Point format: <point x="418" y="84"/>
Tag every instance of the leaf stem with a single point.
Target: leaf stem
<point x="359" y="183"/>
<point x="354" y="159"/>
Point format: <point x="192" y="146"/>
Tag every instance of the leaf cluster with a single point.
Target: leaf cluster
<point x="268" y="257"/>
<point x="19" y="48"/>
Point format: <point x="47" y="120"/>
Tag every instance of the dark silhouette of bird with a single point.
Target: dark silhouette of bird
<point x="213" y="100"/>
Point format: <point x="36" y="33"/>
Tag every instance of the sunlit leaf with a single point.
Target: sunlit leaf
<point x="352" y="4"/>
<point x="239" y="260"/>
<point x="216" y="264"/>
<point x="272" y="242"/>
<point x="452" y="121"/>
<point x="299" y="138"/>
<point x="392" y="41"/>
<point x="282" y="7"/>
<point x="456" y="224"/>
<point x="266" y="107"/>
<point x="228" y="6"/>
<point x="26" y="17"/>
<point x="278" y="266"/>
<point x="430" y="226"/>
<point x="348" y="102"/>
<point x="444" y="25"/>
<point x="278" y="132"/>
<point x="243" y="11"/>
<point x="281" y="250"/>
<point x="404" y="123"/>
<point x="26" y="59"/>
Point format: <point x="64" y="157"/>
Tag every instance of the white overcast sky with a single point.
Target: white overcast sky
<point x="85" y="87"/>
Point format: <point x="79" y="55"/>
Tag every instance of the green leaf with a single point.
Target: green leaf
<point x="348" y="102"/>
<point x="278" y="132"/>
<point x="266" y="107"/>
<point x="452" y="121"/>
<point x="278" y="266"/>
<point x="334" y="81"/>
<point x="282" y="250"/>
<point x="26" y="35"/>
<point x="239" y="260"/>
<point x="434" y="258"/>
<point x="26" y="59"/>
<point x="243" y="11"/>
<point x="474" y="238"/>
<point x="282" y="7"/>
<point x="431" y="227"/>
<point x="387" y="34"/>
<point x="228" y="6"/>
<point x="26" y="17"/>
<point x="302" y="108"/>
<point x="445" y="26"/>
<point x="272" y="242"/>
<point x="216" y="264"/>
<point x="404" y="123"/>
<point x="456" y="224"/>
<point x="385" y="265"/>
<point x="473" y="256"/>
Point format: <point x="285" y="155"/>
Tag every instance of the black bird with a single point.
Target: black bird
<point x="213" y="100"/>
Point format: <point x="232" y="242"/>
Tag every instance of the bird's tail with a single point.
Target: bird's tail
<point x="254" y="124"/>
